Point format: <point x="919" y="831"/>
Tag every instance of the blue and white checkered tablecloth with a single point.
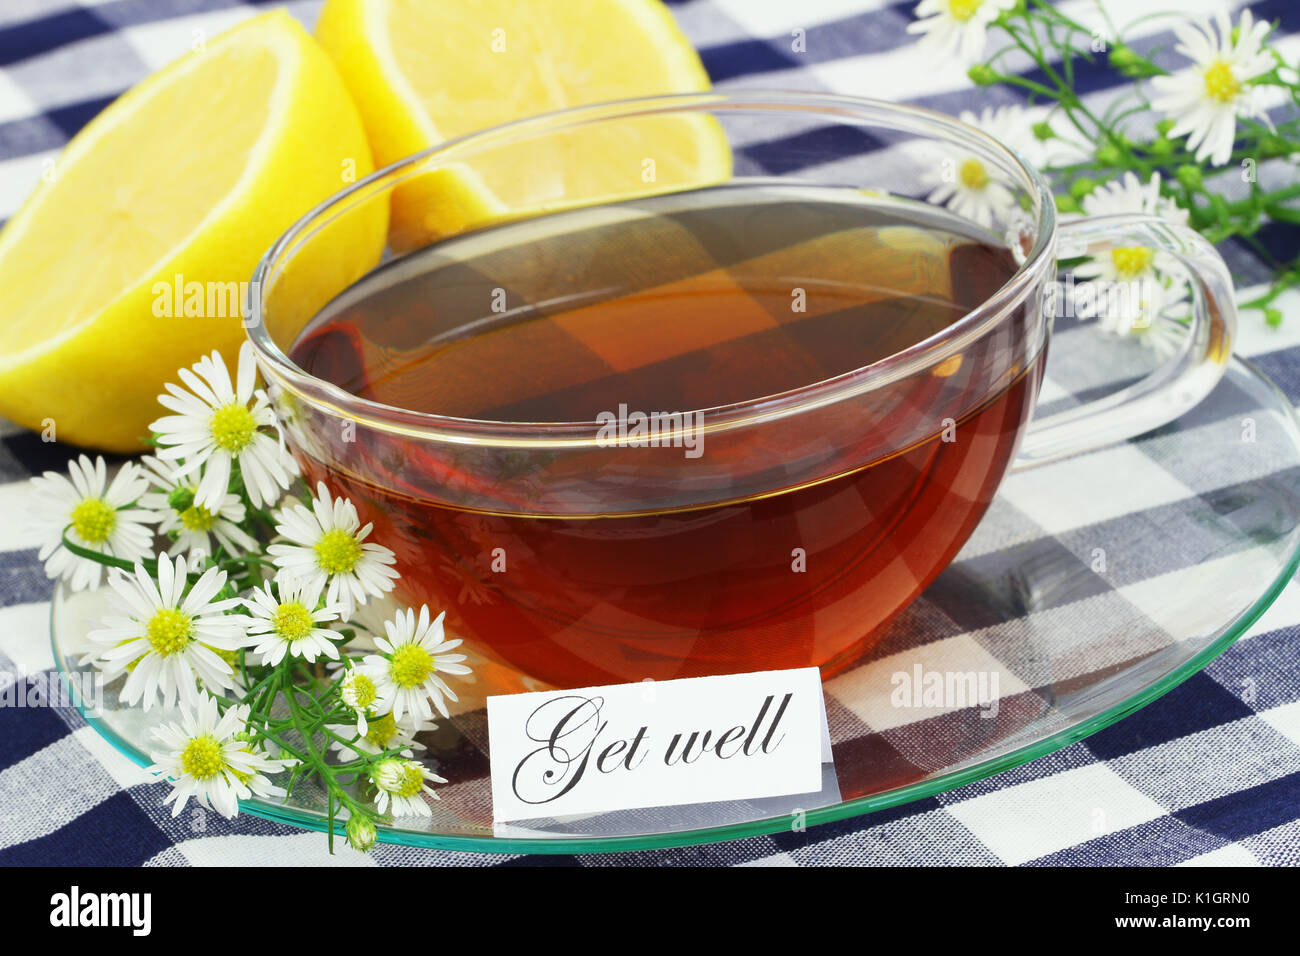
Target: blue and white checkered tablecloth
<point x="66" y="796"/>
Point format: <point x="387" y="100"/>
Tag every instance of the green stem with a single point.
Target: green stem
<point x="306" y="729"/>
<point x="108" y="560"/>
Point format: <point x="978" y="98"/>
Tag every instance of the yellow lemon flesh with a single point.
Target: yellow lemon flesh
<point x="128" y="263"/>
<point x="422" y="73"/>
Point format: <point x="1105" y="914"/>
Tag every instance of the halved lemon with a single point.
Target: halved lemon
<point x="133" y="260"/>
<point x="424" y="72"/>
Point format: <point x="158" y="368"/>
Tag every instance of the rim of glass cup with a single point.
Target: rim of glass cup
<point x="844" y="110"/>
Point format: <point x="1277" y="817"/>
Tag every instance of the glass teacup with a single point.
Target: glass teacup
<point x="811" y="494"/>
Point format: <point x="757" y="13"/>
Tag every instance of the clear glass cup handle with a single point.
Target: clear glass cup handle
<point x="1177" y="385"/>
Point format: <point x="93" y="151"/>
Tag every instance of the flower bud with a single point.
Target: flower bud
<point x="1124" y="59"/>
<point x="1189" y="176"/>
<point x="1108" y="155"/>
<point x="1044" y="131"/>
<point x="981" y="74"/>
<point x="1273" y="316"/>
<point x="361" y="833"/>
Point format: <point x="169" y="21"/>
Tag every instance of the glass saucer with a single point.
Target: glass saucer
<point x="1093" y="586"/>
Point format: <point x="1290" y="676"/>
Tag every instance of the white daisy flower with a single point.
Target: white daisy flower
<point x="172" y="637"/>
<point x="330" y="548"/>
<point x="205" y="758"/>
<point x="359" y="690"/>
<point x="1133" y="286"/>
<point x="214" y="427"/>
<point x="1130" y="196"/>
<point x="399" y="783"/>
<point x="287" y="621"/>
<point x="1206" y="99"/>
<point x="194" y="526"/>
<point x="967" y="184"/>
<point x="411" y="658"/>
<point x="383" y="733"/>
<point x="955" y="27"/>
<point x="97" y="516"/>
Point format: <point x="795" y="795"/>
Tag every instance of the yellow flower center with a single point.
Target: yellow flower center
<point x="197" y="518"/>
<point x="169" y="631"/>
<point x="232" y="427"/>
<point x="362" y="689"/>
<point x="292" y="621"/>
<point x="1220" y="82"/>
<point x="1132" y="261"/>
<point x="380" y="732"/>
<point x="973" y="175"/>
<point x="409" y="781"/>
<point x="963" y="10"/>
<point x="94" y="519"/>
<point x="202" y="758"/>
<point x="337" y="552"/>
<point x="411" y="665"/>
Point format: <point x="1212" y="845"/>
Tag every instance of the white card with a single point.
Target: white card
<point x="657" y="743"/>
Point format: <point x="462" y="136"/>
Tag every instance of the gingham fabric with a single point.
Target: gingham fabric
<point x="1210" y="773"/>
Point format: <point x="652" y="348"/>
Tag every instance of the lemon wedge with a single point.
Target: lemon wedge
<point x="132" y="260"/>
<point x="423" y="73"/>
